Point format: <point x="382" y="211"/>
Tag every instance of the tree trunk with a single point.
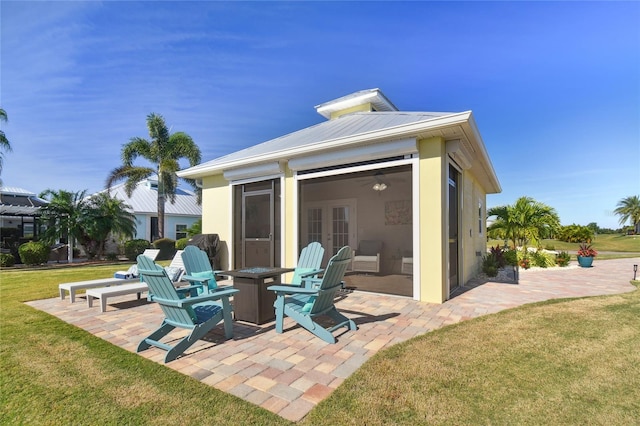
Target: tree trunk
<point x="161" y="200"/>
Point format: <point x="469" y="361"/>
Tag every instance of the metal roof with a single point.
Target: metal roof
<point x="19" y="202"/>
<point x="144" y="200"/>
<point x="358" y="123"/>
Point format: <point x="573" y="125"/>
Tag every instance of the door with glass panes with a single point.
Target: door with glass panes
<point x="332" y="223"/>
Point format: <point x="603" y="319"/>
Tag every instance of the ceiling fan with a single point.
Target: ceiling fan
<point x="379" y="182"/>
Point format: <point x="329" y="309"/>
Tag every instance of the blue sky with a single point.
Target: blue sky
<point x="554" y="86"/>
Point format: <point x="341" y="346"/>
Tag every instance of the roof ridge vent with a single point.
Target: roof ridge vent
<point x="364" y="100"/>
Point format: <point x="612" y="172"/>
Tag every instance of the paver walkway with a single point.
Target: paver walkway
<point x="290" y="373"/>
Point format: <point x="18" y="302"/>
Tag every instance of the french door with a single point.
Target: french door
<point x="332" y="223"/>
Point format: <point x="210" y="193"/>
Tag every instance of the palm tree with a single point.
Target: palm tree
<point x="71" y="215"/>
<point x="62" y="214"/>
<point x="4" y="142"/>
<point x="629" y="209"/>
<point x="164" y="151"/>
<point x="525" y="221"/>
<point x="102" y="216"/>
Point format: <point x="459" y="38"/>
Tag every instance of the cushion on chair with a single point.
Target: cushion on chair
<point x="366" y="258"/>
<point x="205" y="312"/>
<point x="173" y="272"/>
<point x="369" y="248"/>
<point x="307" y="307"/>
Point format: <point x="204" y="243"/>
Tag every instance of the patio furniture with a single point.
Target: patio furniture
<point x="199" y="314"/>
<point x="407" y="266"/>
<point x="133" y="271"/>
<point x="198" y="269"/>
<point x="73" y="287"/>
<point x="304" y="304"/>
<point x="135" y="286"/>
<point x="254" y="303"/>
<point x="308" y="263"/>
<point x="103" y="293"/>
<point x="367" y="257"/>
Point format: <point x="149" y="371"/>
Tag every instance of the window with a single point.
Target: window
<point x="181" y="231"/>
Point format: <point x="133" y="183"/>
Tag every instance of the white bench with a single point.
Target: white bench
<point x="103" y="282"/>
<point x="120" y="290"/>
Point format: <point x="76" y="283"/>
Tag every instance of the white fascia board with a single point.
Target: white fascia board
<point x="478" y="145"/>
<point x="251" y="171"/>
<point x="397" y="132"/>
<point x="354" y="154"/>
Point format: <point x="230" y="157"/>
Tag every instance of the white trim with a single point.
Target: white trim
<point x="417" y="258"/>
<point x="356" y="154"/>
<point x="283" y="202"/>
<point x="457" y="151"/>
<point x="253" y="171"/>
<point x="255" y="179"/>
<point x="355" y="169"/>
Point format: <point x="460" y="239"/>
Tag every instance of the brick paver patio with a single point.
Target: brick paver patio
<point x="290" y="373"/>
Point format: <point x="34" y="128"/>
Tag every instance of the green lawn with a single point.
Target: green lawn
<point x="602" y="243"/>
<point x="563" y="362"/>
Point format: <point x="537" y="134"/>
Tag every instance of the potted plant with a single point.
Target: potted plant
<point x="585" y="255"/>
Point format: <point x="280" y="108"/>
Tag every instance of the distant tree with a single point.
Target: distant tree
<point x="575" y="233"/>
<point x="62" y="215"/>
<point x="104" y="215"/>
<point x="164" y="151"/>
<point x="72" y="215"/>
<point x="4" y="142"/>
<point x="195" y="228"/>
<point x="629" y="210"/>
<point x="526" y="221"/>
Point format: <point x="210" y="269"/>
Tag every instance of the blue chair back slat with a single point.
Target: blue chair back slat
<point x="310" y="259"/>
<point x="160" y="285"/>
<point x="331" y="281"/>
<point x="195" y="260"/>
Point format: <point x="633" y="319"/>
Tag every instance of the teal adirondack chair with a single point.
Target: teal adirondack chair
<point x="303" y="304"/>
<point x="198" y="269"/>
<point x="197" y="313"/>
<point x="308" y="263"/>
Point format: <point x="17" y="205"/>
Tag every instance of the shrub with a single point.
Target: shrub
<point x="543" y="260"/>
<point x="133" y="248"/>
<point x="563" y="259"/>
<point x="490" y="266"/>
<point x="167" y="248"/>
<point x="181" y="243"/>
<point x="511" y="257"/>
<point x="34" y="253"/>
<point x="112" y="257"/>
<point x="6" y="260"/>
<point x="525" y="262"/>
<point x="575" y="234"/>
<point x="498" y="254"/>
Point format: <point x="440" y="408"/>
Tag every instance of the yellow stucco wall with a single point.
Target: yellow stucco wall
<point x="216" y="213"/>
<point x="433" y="233"/>
<point x="473" y="240"/>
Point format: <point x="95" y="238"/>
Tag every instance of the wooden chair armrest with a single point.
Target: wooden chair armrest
<point x="198" y="299"/>
<point x="289" y="289"/>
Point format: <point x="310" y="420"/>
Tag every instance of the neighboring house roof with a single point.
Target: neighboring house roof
<point x="16" y="201"/>
<point x="360" y="128"/>
<point x="144" y="199"/>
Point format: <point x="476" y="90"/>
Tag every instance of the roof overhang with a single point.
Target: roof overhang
<point x="458" y="126"/>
